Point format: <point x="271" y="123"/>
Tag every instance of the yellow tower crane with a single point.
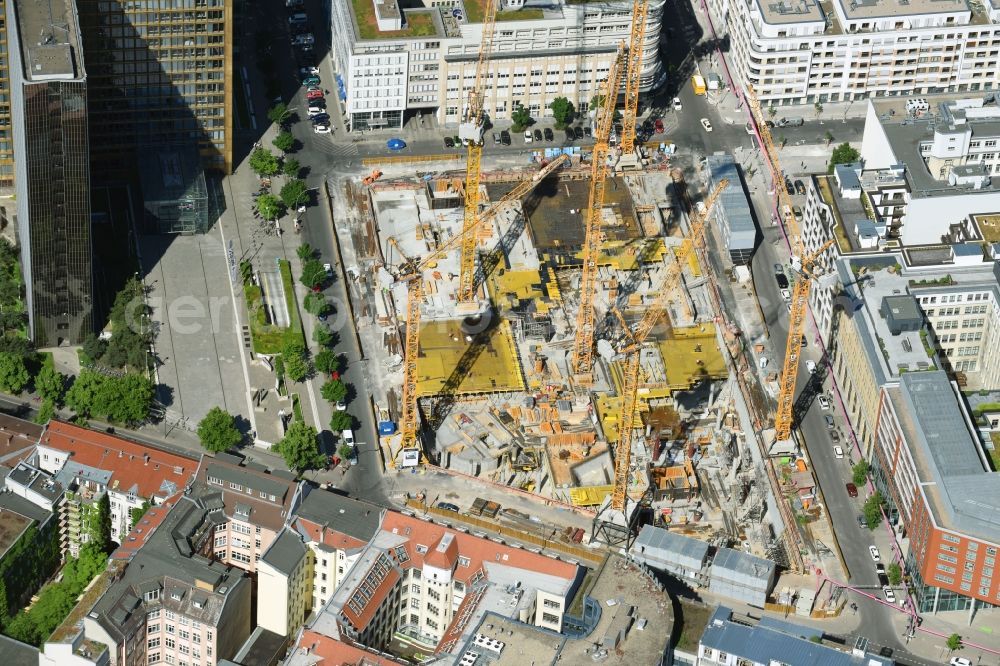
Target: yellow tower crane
<point x="633" y="73"/>
<point x="583" y="343"/>
<point x="695" y="238"/>
<point x="411" y="273"/>
<point x="783" y="418"/>
<point x="471" y="133"/>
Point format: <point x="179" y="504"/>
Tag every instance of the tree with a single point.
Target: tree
<point x="313" y="273"/>
<point x="829" y="137"/>
<point x="217" y="431"/>
<point x="279" y="114"/>
<point x="293" y="353"/>
<point x="82" y="395"/>
<point x="284" y="141"/>
<point x="270" y="207"/>
<point x="294" y="193"/>
<point x="122" y="399"/>
<point x="333" y="390"/>
<point x="324" y="337"/>
<point x="135" y="514"/>
<point x="316" y="304"/>
<point x="953" y="643"/>
<point x="345" y="451"/>
<point x="563" y="111"/>
<point x="45" y="412"/>
<point x="782" y="141"/>
<point x="860" y="473"/>
<point x="771" y="111"/>
<point x="341" y="421"/>
<point x="895" y="574"/>
<point x="263" y="162"/>
<point x="520" y="118"/>
<point x="300" y="447"/>
<point x="305" y="251"/>
<point x="327" y="361"/>
<point x="291" y="167"/>
<point x="13" y="373"/>
<point x="818" y="107"/>
<point x="50" y="384"/>
<point x="843" y="154"/>
<point x="872" y="510"/>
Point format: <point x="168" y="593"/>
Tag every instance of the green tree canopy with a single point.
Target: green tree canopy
<point x="270" y="207"/>
<point x="843" y="154"/>
<point x="333" y="390"/>
<point x="293" y="353"/>
<point x="859" y="473"/>
<point x="563" y="111"/>
<point x="14" y="375"/>
<point x="345" y="451"/>
<point x="327" y="361"/>
<point x="45" y="412"/>
<point x="284" y="141"/>
<point x="123" y="399"/>
<point x="895" y="573"/>
<point x="313" y="273"/>
<point x="279" y="114"/>
<point x="264" y="162"/>
<point x="872" y="510"/>
<point x="316" y="304"/>
<point x="294" y="193"/>
<point x="50" y="384"/>
<point x="300" y="448"/>
<point x="217" y="431"/>
<point x="341" y="421"/>
<point x="305" y="251"/>
<point x="291" y="167"/>
<point x="324" y="337"/>
<point x="954" y="642"/>
<point x="520" y="118"/>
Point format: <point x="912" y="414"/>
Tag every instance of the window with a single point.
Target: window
<point x="153" y="643"/>
<point x="171" y="643"/>
<point x="153" y="658"/>
<point x="152" y="615"/>
<point x="549" y="618"/>
<point x="549" y="603"/>
<point x="169" y="628"/>
<point x="153" y="628"/>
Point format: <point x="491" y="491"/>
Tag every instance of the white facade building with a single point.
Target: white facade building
<point x="805" y="51"/>
<point x="427" y="67"/>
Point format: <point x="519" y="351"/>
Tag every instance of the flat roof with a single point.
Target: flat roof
<point x="734" y="203"/>
<point x="777" y="12"/>
<point x="665" y="542"/>
<point x="867" y="9"/>
<point x="50" y="40"/>
<point x="12" y="526"/>
<point x="962" y="493"/>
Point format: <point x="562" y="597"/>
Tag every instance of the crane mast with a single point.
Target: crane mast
<point x="409" y="419"/>
<point x="471" y="132"/>
<point x="633" y="73"/>
<point x="583" y="343"/>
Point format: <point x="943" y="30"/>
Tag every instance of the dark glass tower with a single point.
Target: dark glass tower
<point x="51" y="155"/>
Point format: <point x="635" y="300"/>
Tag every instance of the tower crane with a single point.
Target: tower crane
<point x="695" y="237"/>
<point x="471" y="133"/>
<point x="583" y="344"/>
<point x="411" y="274"/>
<point x="783" y="418"/>
<point x="633" y="73"/>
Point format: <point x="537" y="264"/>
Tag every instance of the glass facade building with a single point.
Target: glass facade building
<point x="159" y="75"/>
<point x="51" y="152"/>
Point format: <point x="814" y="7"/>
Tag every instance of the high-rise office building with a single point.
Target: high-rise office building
<point x="6" y="138"/>
<point x="48" y="85"/>
<point x="160" y="72"/>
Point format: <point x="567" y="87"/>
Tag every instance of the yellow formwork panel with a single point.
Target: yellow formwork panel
<point x="589" y="495"/>
<point x="691" y="355"/>
<point x="443" y="344"/>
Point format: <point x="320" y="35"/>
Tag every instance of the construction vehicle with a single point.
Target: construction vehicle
<point x="410" y="272"/>
<point x="633" y="73"/>
<point x="783" y="418"/>
<point x="471" y="133"/>
<point x="372" y="177"/>
<point x="582" y="362"/>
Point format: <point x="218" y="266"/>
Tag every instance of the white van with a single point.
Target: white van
<point x="348" y="437"/>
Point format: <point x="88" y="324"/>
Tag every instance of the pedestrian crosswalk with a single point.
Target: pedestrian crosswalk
<point x="336" y="148"/>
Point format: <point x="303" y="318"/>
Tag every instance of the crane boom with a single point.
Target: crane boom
<point x="784" y="416"/>
<point x="583" y="343"/>
<point x="633" y="73"/>
<point x="409" y="419"/>
<point x="471" y="131"/>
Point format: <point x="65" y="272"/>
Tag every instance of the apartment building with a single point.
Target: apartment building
<point x="166" y="603"/>
<point x="941" y="493"/>
<point x="285" y="572"/>
<point x="809" y="51"/>
<point x="48" y="96"/>
<point x="90" y="464"/>
<point x="161" y="76"/>
<point x="255" y="506"/>
<point x="397" y="62"/>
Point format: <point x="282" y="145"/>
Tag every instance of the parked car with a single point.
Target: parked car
<point x="505" y="137"/>
<point x="347" y="436"/>
<point x="811" y="367"/>
<point x="496" y="139"/>
<point x="800" y="187"/>
<point x="779" y="269"/>
<point x="449" y="142"/>
<point x="341" y="406"/>
<point x="852" y="490"/>
<point x="889" y="595"/>
<point x="580" y="132"/>
<point x="797" y="212"/>
<point x="311" y="81"/>
<point x="321" y="129"/>
<point x="781" y="280"/>
<point x="527" y="136"/>
<point x="830" y="425"/>
<point x="658" y="126"/>
<point x="570" y="136"/>
<point x="706" y="124"/>
<point x="538" y="135"/>
<point x="676" y="104"/>
<point x="547" y="133"/>
<point x="314" y="94"/>
<point x="824" y="403"/>
<point x="297" y="17"/>
<point x="448" y="506"/>
<point x="317" y="107"/>
<point x="320" y="118"/>
<point x="861" y="520"/>
<point x="762" y="362"/>
<point x="787" y="295"/>
<point x="308" y="70"/>
<point x="880" y="568"/>
<point x="835" y="436"/>
<point x="838" y="452"/>
<point x="874" y="553"/>
<point x="960" y="661"/>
